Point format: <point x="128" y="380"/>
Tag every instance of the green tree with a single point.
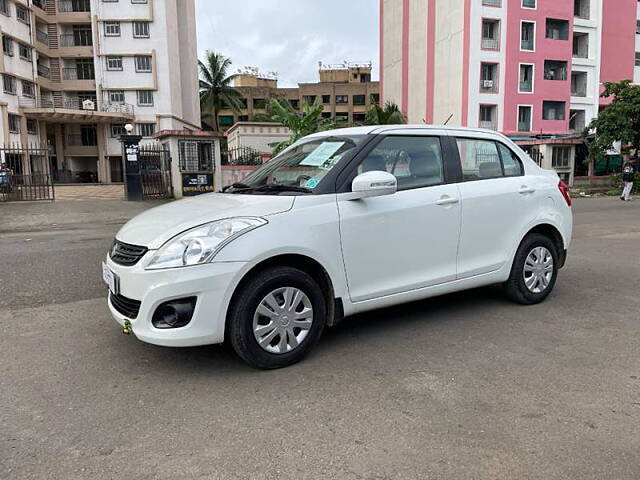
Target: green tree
<point x="301" y="124"/>
<point x="216" y="90"/>
<point x="390" y="114"/>
<point x="619" y="121"/>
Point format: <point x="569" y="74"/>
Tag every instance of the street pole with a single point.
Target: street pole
<point x="131" y="166"/>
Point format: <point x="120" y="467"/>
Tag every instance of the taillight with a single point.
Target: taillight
<point x="564" y="190"/>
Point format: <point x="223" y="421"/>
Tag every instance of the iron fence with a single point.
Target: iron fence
<point x="242" y="156"/>
<point x="25" y="173"/>
<point x="155" y="171"/>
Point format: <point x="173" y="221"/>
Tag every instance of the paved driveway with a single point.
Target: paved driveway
<point x="464" y="386"/>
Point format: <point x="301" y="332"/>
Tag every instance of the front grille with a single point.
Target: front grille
<point x="125" y="254"/>
<point x="125" y="306"/>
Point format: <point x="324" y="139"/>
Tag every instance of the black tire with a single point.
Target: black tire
<point x="245" y="303"/>
<point x="515" y="287"/>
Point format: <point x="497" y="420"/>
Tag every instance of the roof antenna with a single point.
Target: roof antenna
<point x="450" y="117"/>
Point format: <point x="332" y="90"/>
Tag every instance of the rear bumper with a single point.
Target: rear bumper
<point x="212" y="284"/>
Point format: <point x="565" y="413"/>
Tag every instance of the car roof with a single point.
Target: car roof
<point x="381" y="129"/>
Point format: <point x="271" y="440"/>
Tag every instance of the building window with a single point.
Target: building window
<point x="326" y="99"/>
<point x="295" y="103"/>
<point x="116" y="97"/>
<point x="7" y="45"/>
<point x="525" y="114"/>
<point x="27" y="89"/>
<point x="4" y="8"/>
<point x="145" y="98"/>
<point x="490" y="34"/>
<point x="489" y="77"/>
<point x="143" y="63"/>
<point x="527" y="36"/>
<point x="259" y="103"/>
<point x="359" y="117"/>
<point x="560" y="157"/>
<point x="117" y="129"/>
<point x="9" y="84"/>
<point x="342" y="98"/>
<point x="552" y="110"/>
<point x="146" y="129"/>
<point x="526" y="78"/>
<point x="580" y="45"/>
<point x="309" y="99"/>
<point x="488" y="117"/>
<point x="557" y="29"/>
<point x="577" y="120"/>
<point x="637" y="59"/>
<point x="22" y="14"/>
<point x="528" y="3"/>
<point x="24" y="52"/>
<point x="138" y="1"/>
<point x="225" y="120"/>
<point x="114" y="63"/>
<point x="141" y="29"/>
<point x="637" y="26"/>
<point x="14" y="123"/>
<point x="375" y="98"/>
<point x="111" y="29"/>
<point x="579" y="84"/>
<point x="581" y="9"/>
<point x="32" y="126"/>
<point x="359" y="99"/>
<point x="555" y="70"/>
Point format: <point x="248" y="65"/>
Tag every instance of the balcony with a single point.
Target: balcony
<point x="43" y="71"/>
<point x="81" y="140"/>
<point x="68" y="6"/>
<point x="579" y="84"/>
<point x="488" y="124"/>
<point x="492" y="3"/>
<point x="76" y="73"/>
<point x="490" y="44"/>
<point x="42" y="37"/>
<point x="581" y="9"/>
<point x="78" y="39"/>
<point x="38" y="3"/>
<point x="580" y="45"/>
<point x="75" y="110"/>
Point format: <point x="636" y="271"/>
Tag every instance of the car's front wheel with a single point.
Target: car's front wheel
<point x="534" y="270"/>
<point x="276" y="318"/>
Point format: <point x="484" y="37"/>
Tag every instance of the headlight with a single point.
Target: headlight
<point x="200" y="244"/>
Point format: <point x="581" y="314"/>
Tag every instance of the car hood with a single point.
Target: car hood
<point x="154" y="227"/>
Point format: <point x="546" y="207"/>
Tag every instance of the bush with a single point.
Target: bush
<point x="617" y="180"/>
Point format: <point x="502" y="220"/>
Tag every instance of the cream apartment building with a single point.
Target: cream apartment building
<point x="74" y="72"/>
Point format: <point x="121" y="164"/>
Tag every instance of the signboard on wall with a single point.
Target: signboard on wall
<point x="197" y="183"/>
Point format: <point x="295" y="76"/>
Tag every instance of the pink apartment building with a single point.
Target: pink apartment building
<point x="523" y="67"/>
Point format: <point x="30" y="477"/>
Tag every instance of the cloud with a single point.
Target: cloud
<point x="290" y="36"/>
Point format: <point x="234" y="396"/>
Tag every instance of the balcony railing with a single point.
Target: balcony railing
<point x="78" y="74"/>
<point x="66" y="6"/>
<point x="38" y="3"/>
<point x="76" y="104"/>
<point x="79" y="39"/>
<point x="43" y="71"/>
<point x="524" y="126"/>
<point x="488" y="124"/>
<point x="80" y="140"/>
<point x="490" y="44"/>
<point x="579" y="91"/>
<point x="42" y="37"/>
<point x="526" y="87"/>
<point x="492" y="3"/>
<point x="526" y="44"/>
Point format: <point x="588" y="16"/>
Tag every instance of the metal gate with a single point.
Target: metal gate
<point x="155" y="171"/>
<point x="25" y="174"/>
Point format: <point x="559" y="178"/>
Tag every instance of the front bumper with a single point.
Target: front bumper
<point x="211" y="283"/>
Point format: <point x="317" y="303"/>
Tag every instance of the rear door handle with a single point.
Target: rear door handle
<point x="446" y="200"/>
<point x="524" y="190"/>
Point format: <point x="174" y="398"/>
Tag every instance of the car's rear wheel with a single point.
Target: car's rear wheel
<point x="276" y="318"/>
<point x="534" y="270"/>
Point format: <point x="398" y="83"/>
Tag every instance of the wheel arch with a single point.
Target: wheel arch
<point x="301" y="262"/>
<point x="552" y="232"/>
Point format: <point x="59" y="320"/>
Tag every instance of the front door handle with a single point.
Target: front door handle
<point x="447" y="200"/>
<point x="524" y="190"/>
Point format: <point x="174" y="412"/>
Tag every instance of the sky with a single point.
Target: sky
<point x="290" y="37"/>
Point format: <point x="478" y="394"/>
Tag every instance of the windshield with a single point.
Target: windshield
<point x="300" y="168"/>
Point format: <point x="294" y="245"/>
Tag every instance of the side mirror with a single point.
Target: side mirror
<point x="373" y="184"/>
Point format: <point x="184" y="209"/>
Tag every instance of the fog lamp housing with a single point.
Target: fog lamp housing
<point x="174" y="313"/>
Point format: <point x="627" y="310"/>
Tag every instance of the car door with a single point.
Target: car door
<point x="494" y="195"/>
<point x="404" y="241"/>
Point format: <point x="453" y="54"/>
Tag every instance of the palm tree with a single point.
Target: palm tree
<point x="388" y="115"/>
<point x="216" y="91"/>
<point x="300" y="124"/>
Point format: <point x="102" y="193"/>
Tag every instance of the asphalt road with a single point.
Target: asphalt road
<point x="467" y="386"/>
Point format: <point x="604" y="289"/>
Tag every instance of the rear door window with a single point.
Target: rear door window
<point x="479" y="158"/>
<point x="511" y="163"/>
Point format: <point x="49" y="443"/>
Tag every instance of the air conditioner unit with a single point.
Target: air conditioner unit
<point x="487" y="83"/>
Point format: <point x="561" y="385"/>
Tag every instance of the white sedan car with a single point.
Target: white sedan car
<point x="341" y="222"/>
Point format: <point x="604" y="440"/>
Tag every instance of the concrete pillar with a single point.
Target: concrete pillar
<point x="104" y="169"/>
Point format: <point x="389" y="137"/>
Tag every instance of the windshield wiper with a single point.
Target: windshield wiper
<point x="272" y="187"/>
<point x="234" y="186"/>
